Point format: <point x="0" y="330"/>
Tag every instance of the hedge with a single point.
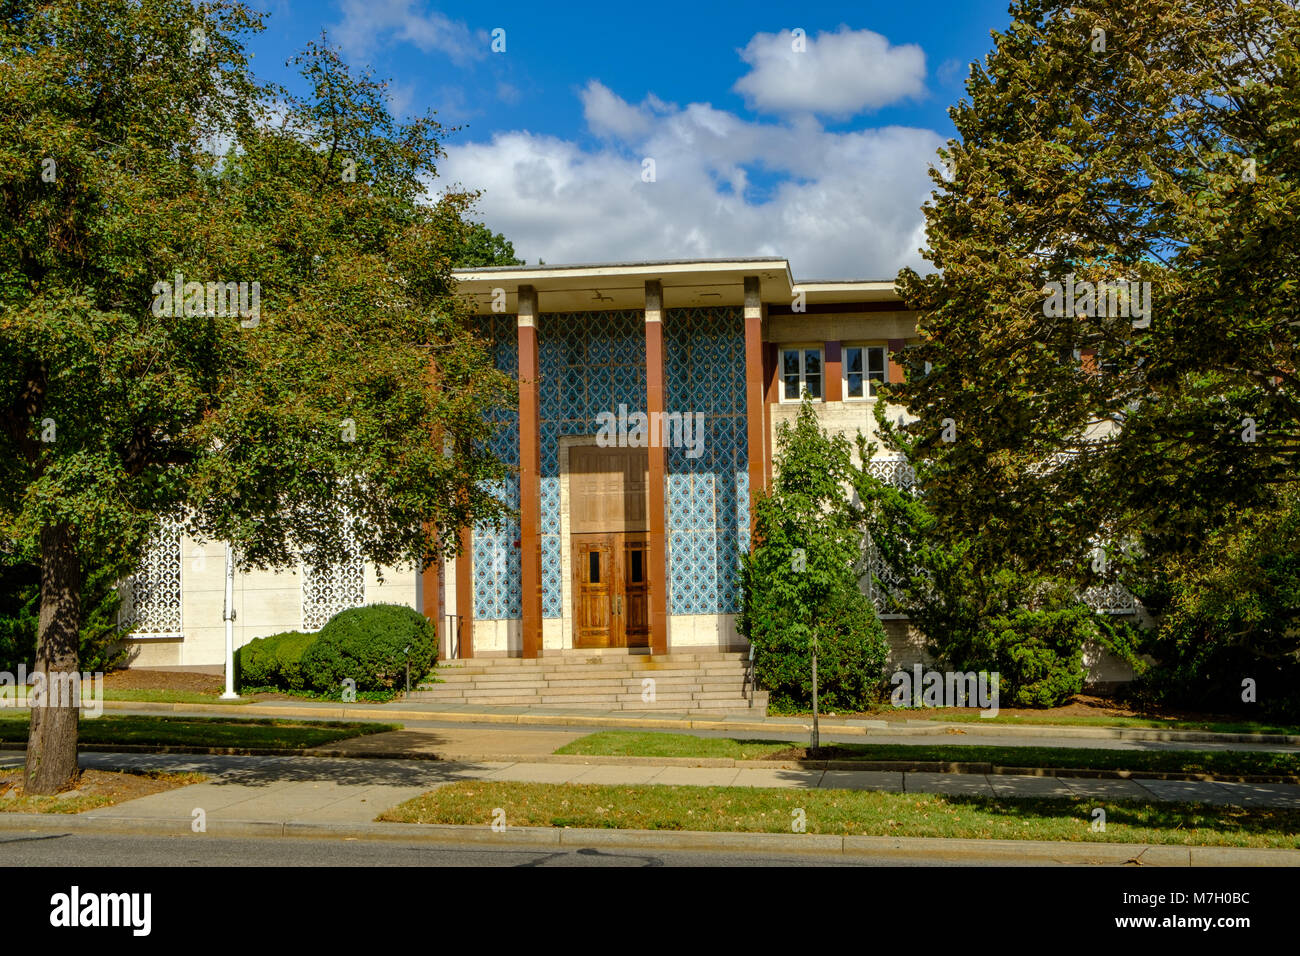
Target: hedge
<point x="371" y="645"/>
<point x="367" y="644"/>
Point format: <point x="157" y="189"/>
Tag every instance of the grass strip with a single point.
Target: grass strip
<point x="1227" y="762"/>
<point x="203" y="731"/>
<point x="846" y="812"/>
<point x="1218" y="727"/>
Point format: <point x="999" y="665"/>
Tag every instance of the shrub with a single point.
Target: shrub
<point x="273" y="661"/>
<point x="370" y="645"/>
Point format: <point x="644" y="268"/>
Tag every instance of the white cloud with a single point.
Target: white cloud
<point x="370" y="24"/>
<point x="838" y="205"/>
<point x="837" y="74"/>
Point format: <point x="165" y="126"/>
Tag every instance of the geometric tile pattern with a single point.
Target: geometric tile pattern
<point x="591" y="362"/>
<point x="498" y="593"/>
<point x="708" y="496"/>
<point x="588" y="362"/>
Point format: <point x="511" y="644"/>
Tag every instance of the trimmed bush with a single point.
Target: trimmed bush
<point x="369" y="645"/>
<point x="273" y="661"/>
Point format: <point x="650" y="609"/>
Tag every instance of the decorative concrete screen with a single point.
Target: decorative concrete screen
<point x="151" y="606"/>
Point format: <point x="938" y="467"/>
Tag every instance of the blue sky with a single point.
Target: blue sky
<point x="760" y="147"/>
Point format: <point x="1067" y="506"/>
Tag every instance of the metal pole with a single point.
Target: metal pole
<point x="229" y="614"/>
<point x="816" y="734"/>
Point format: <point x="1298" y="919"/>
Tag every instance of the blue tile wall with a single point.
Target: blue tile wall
<point x="497" y="590"/>
<point x="589" y="362"/>
<point x="708" y="496"/>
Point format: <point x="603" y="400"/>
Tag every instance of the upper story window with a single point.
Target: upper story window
<point x="865" y="367"/>
<point x="801" y="371"/>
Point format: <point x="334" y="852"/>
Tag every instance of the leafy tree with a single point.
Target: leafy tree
<point x="354" y="399"/>
<point x="1121" y="141"/>
<point x="1110" y="143"/>
<point x="1230" y="613"/>
<point x="799" y="584"/>
<point x="476" y="245"/>
<point x="1028" y="626"/>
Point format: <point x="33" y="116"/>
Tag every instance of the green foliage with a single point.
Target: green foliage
<point x="1027" y="626"/>
<point x="136" y="145"/>
<point x="100" y="635"/>
<point x="1231" y="612"/>
<point x="1165" y="154"/>
<point x="799" y="585"/>
<point x="372" y="646"/>
<point x="274" y="661"/>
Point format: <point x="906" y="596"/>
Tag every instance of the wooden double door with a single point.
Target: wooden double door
<point x="611" y="590"/>
<point x="609" y="505"/>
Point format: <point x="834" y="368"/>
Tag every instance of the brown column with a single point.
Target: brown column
<point x="771" y="395"/>
<point x="754" y="411"/>
<point x="654" y="399"/>
<point x="895" y="366"/>
<point x="832" y="373"/>
<point x="530" y="475"/>
<point x="465" y="591"/>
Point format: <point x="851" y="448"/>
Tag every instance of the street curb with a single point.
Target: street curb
<point x="853" y="727"/>
<point x="852" y="766"/>
<point x="911" y="847"/>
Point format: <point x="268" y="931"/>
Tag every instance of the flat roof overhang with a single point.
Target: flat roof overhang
<point x="687" y="283"/>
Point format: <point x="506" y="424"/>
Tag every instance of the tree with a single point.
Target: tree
<point x="1111" y="143"/>
<point x="476" y="245"/>
<point x="1123" y="142"/>
<point x="345" y="392"/>
<point x="799" y="582"/>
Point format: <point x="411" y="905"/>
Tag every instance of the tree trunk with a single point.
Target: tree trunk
<point x="52" y="741"/>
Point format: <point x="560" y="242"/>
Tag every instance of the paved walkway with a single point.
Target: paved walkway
<point x="344" y="790"/>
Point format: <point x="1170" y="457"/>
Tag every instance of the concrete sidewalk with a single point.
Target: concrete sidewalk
<point x="321" y="789"/>
<point x="339" y="799"/>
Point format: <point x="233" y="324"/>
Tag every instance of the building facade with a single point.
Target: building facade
<point x="649" y="399"/>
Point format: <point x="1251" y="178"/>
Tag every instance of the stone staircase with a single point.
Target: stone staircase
<point x="600" y="680"/>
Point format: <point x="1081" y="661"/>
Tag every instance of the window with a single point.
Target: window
<point x="865" y="366"/>
<point x="801" y="371"/>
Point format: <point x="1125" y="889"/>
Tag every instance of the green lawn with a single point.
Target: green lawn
<point x="1218" y="727"/>
<point x="204" y="731"/>
<point x="636" y="744"/>
<point x="845" y="812"/>
<point x="171" y="697"/>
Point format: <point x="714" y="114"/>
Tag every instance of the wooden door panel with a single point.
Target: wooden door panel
<point x="593" y="579"/>
<point x="635" y="582"/>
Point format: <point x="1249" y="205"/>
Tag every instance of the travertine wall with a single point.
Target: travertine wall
<point x="265" y="603"/>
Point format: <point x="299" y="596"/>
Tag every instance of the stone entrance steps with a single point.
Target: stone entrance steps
<point x="709" y="681"/>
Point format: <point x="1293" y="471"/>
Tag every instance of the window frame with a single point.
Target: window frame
<point x="866" y="346"/>
<point x="802" y="349"/>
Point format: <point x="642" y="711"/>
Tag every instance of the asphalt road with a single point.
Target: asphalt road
<point x="72" y="850"/>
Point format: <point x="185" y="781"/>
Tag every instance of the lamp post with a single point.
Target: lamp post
<point x="229" y="615"/>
